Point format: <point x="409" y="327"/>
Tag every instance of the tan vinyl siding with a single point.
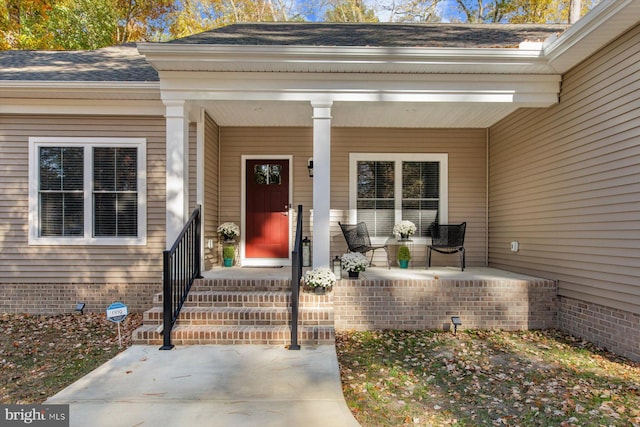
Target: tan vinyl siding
<point x="466" y="150"/>
<point x="21" y="263"/>
<point x="564" y="183"/>
<point x="236" y="142"/>
<point x="211" y="190"/>
<point x="467" y="176"/>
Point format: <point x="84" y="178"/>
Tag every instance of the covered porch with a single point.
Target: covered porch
<point x="231" y="305"/>
<point x="377" y="273"/>
<point x="355" y="113"/>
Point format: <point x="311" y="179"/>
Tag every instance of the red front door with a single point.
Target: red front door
<point x="267" y="209"/>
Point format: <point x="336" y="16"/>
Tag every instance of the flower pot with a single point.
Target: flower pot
<point x="320" y="290"/>
<point x="354" y="274"/>
<point x="404" y="263"/>
<point x="404" y="236"/>
<point x="228" y="262"/>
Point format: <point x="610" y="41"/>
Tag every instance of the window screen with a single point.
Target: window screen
<point x="376" y="196"/>
<point x="61" y="191"/>
<point x="420" y="194"/>
<point x="115" y="197"/>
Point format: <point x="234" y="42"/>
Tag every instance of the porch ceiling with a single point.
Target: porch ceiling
<point x="359" y="114"/>
<point x="465" y="98"/>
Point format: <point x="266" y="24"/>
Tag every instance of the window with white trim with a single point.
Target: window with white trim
<point x="87" y="191"/>
<point x="387" y="188"/>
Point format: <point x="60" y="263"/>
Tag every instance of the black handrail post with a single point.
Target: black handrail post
<point x="296" y="274"/>
<point x="198" y="245"/>
<point x="166" y="301"/>
<point x="295" y="295"/>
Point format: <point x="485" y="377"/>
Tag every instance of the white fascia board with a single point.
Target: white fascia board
<point x="331" y="79"/>
<point x="79" y="89"/>
<point x="81" y="106"/>
<point x="605" y="22"/>
<point x="174" y="51"/>
<point x="336" y="58"/>
<point x="537" y="100"/>
<point x="78" y="85"/>
<point x="343" y="87"/>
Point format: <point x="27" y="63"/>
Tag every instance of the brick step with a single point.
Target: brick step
<point x="248" y="299"/>
<point x="227" y="316"/>
<point x="211" y="315"/>
<point x="246" y="285"/>
<point x="233" y="299"/>
<point x="271" y="335"/>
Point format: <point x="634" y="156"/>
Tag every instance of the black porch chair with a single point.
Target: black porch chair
<point x="447" y="239"/>
<point x="358" y="240"/>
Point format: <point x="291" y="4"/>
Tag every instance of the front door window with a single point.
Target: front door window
<point x="267" y="174"/>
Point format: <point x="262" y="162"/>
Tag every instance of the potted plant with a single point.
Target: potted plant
<point x="229" y="231"/>
<point x="404" y="255"/>
<point x="228" y="254"/>
<point x="354" y="263"/>
<point x="404" y="229"/>
<point x="320" y="279"/>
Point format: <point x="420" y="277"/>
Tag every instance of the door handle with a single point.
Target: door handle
<point x="286" y="209"/>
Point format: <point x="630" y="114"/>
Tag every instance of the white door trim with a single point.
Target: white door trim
<point x="262" y="262"/>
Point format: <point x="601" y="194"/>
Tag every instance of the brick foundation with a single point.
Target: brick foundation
<point x="615" y="330"/>
<point x="55" y="298"/>
<point x="429" y="304"/>
<point x="386" y="304"/>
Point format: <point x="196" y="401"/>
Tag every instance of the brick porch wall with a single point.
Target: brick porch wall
<point x="54" y="298"/>
<point x="429" y="304"/>
<point x="615" y="330"/>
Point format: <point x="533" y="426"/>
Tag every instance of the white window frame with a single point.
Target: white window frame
<point x="87" y="143"/>
<point x="398" y="158"/>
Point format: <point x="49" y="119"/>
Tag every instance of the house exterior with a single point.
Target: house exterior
<point x="527" y="133"/>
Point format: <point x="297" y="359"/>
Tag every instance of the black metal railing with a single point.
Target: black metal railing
<point x="296" y="275"/>
<point x="181" y="266"/>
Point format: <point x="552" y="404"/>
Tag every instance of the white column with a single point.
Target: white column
<point x="321" y="183"/>
<point x="177" y="168"/>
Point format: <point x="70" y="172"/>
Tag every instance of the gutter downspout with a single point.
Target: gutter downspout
<point x="200" y="164"/>
<point x="486" y="203"/>
<point x="217" y="260"/>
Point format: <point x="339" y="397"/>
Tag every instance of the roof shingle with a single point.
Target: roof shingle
<point x="124" y="63"/>
<point x="375" y="35"/>
<point x="111" y="64"/>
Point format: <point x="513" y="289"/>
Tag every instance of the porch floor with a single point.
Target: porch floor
<point x="417" y="298"/>
<point x="372" y="273"/>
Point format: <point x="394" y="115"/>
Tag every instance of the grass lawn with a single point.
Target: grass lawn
<point x="41" y="355"/>
<point x="390" y="378"/>
<point x="485" y="378"/>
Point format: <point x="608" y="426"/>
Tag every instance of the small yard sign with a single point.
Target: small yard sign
<point x="117" y="312"/>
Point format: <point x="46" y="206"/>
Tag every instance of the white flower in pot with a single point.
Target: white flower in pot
<point x="320" y="277"/>
<point x="354" y="262"/>
<point x="229" y="230"/>
<point x="404" y="229"/>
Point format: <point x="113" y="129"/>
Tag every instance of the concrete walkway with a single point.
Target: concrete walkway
<point x="216" y="385"/>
